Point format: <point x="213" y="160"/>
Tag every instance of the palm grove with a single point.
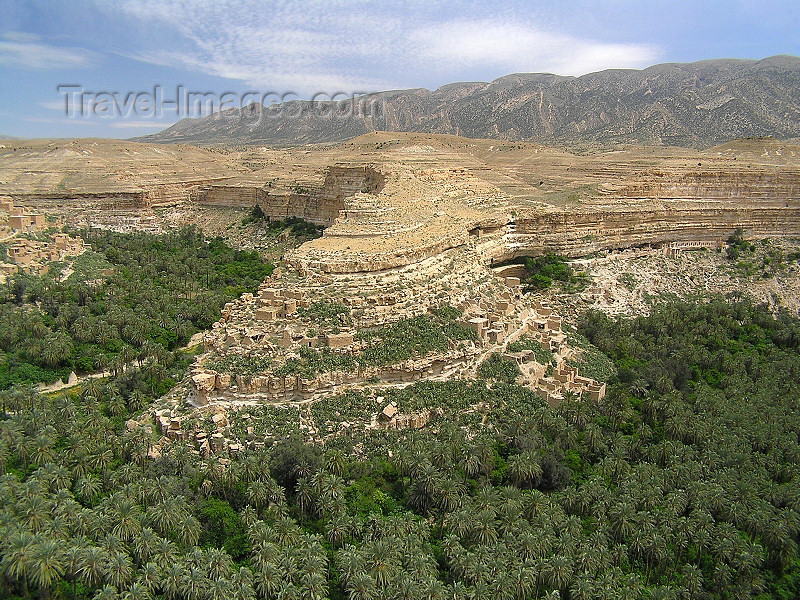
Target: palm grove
<point x="682" y="483"/>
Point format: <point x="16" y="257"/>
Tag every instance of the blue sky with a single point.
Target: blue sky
<point x="126" y="47"/>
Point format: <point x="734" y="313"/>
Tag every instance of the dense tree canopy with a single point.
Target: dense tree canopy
<point x="156" y="292"/>
<point x="682" y="483"/>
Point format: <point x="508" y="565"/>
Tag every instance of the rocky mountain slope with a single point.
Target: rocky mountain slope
<point x="693" y="105"/>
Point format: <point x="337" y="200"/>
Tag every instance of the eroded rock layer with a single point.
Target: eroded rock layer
<point x="416" y="223"/>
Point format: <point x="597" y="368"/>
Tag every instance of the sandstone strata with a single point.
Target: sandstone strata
<point x="416" y="222"/>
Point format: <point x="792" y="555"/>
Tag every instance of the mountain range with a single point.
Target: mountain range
<point x="694" y="105"/>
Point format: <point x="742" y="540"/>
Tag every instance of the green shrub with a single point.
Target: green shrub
<point x="499" y="368"/>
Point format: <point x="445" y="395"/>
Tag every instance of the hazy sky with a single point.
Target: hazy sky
<point x="126" y="47"/>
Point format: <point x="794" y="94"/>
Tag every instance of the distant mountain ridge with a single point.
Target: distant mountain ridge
<point x="694" y="105"/>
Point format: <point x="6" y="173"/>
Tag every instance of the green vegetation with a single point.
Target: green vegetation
<point x="498" y="368"/>
<point x="543" y="355"/>
<point x="327" y="314"/>
<point x="628" y="280"/>
<point x="571" y="196"/>
<point x="386" y="345"/>
<point x="592" y="362"/>
<point x="737" y="244"/>
<point x="419" y="336"/>
<point x="301" y="190"/>
<point x="134" y="296"/>
<point x="88" y="267"/>
<point x="299" y="227"/>
<point x="542" y="271"/>
<point x="312" y="361"/>
<point x="238" y="364"/>
<point x="256" y="215"/>
<point x="594" y="365"/>
<point x="683" y="482"/>
<point x="760" y="260"/>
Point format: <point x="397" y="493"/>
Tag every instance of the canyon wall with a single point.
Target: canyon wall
<point x="56" y="202"/>
<point x="151" y="196"/>
<point x="320" y="205"/>
<point x="750" y="185"/>
<point x="575" y="233"/>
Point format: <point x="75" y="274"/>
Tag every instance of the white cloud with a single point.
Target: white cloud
<point x="54" y="105"/>
<point x="25" y="51"/>
<point x="64" y="121"/>
<point x="281" y="46"/>
<point x="340" y="45"/>
<point x="19" y="36"/>
<point x="139" y="125"/>
<point x="514" y="47"/>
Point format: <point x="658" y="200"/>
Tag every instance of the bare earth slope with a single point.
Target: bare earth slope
<point x="694" y="105"/>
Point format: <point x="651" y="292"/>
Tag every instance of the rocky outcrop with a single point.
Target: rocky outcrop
<point x="317" y="204"/>
<point x="575" y="233"/>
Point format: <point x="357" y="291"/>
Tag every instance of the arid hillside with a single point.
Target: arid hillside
<point x="695" y="105"/>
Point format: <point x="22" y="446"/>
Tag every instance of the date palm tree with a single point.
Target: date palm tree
<point x="151" y="576"/>
<point x="248" y="515"/>
<point x="164" y="553"/>
<point x="305" y="495"/>
<point x="144" y="545"/>
<point x="313" y="586"/>
<point x="107" y="592"/>
<point x="525" y="468"/>
<point x="582" y="588"/>
<point x="136" y="591"/>
<point x="35" y="512"/>
<point x="219" y="564"/>
<point x="42" y="451"/>
<point x="623" y="520"/>
<point x="257" y="494"/>
<point x="484" y="531"/>
<point x="92" y="565"/>
<point x="219" y="589"/>
<point x="118" y="569"/>
<point x="194" y="583"/>
<point x="173" y="580"/>
<point x="18" y="556"/>
<point x="127" y="518"/>
<point x="87" y="488"/>
<point x="335" y="462"/>
<point x="558" y="572"/>
<point x="47" y="565"/>
<point x="350" y="562"/>
<point x="73" y="555"/>
<point x="362" y="587"/>
<point x="269" y="579"/>
<point x="692" y="579"/>
<point x="447" y="498"/>
<point x="242" y="585"/>
<point x="337" y="529"/>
